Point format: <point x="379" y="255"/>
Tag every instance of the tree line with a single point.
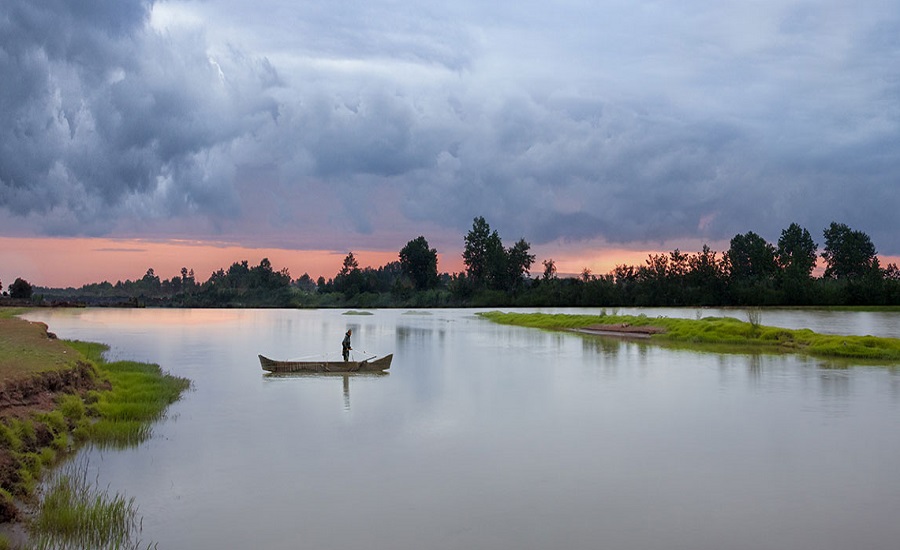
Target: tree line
<point x="752" y="272"/>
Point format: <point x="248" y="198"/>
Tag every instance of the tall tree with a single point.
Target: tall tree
<point x="797" y="253"/>
<point x="349" y="279"/>
<point x="419" y="263"/>
<point x="848" y="254"/>
<point x="518" y="263"/>
<point x="750" y="257"/>
<point x="350" y="264"/>
<point x="482" y="253"/>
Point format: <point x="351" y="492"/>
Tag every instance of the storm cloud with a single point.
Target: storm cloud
<point x="365" y="123"/>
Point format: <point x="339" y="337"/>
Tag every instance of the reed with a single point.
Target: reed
<point x="139" y="395"/>
<point x="722" y="331"/>
<point x="75" y="513"/>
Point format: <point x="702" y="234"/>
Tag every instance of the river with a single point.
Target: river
<point x="493" y="437"/>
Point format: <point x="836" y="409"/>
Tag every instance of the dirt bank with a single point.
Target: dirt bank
<point x="35" y="369"/>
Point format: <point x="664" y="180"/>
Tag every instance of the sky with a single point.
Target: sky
<point x="140" y="134"/>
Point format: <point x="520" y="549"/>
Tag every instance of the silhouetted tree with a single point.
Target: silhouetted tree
<point x="306" y="284"/>
<point x="751" y="268"/>
<point x="482" y="253"/>
<point x="796" y="258"/>
<point x="750" y="258"/>
<point x="20" y="289"/>
<point x="518" y="263"/>
<point x="549" y="269"/>
<point x="848" y="254"/>
<point x="705" y="279"/>
<point x="349" y="279"/>
<point x="419" y="263"/>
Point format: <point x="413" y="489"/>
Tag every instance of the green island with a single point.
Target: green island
<point x="721" y="333"/>
<point x="56" y="396"/>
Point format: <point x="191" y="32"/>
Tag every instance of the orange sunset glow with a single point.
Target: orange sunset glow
<point x="73" y="262"/>
<point x="61" y="263"/>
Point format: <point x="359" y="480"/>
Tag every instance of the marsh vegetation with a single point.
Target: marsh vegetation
<point x="58" y="396"/>
<point x="720" y="332"/>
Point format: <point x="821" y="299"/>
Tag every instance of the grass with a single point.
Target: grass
<point x="25" y="349"/>
<point x="139" y="395"/>
<point x="119" y="412"/>
<point x="722" y="331"/>
<point x="75" y="513"/>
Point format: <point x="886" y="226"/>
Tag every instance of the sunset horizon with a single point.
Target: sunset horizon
<point x="75" y="262"/>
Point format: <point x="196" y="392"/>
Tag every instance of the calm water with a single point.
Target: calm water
<point x="492" y="437"/>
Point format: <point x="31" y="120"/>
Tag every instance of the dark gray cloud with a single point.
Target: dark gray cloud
<point x="102" y="113"/>
<point x="358" y="124"/>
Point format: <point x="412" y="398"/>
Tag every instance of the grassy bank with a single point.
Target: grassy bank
<point x="47" y="412"/>
<point x="721" y="331"/>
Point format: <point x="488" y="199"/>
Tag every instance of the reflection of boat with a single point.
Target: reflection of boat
<point x="367" y="365"/>
<point x="624" y="330"/>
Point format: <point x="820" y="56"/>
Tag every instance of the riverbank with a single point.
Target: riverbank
<point x="55" y="396"/>
<point x="713" y="332"/>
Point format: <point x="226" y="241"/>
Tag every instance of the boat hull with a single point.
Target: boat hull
<point x="369" y="365"/>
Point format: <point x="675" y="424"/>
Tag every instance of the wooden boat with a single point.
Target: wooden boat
<point x="366" y="365"/>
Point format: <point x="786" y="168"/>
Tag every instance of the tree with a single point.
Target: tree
<point x="350" y="265"/>
<point x="549" y="269"/>
<point x="796" y="253"/>
<point x="187" y="279"/>
<point x="796" y="258"/>
<point x="306" y="284"/>
<point x="150" y="283"/>
<point x="586" y="275"/>
<point x="419" y="263"/>
<point x="480" y="245"/>
<point x="349" y="279"/>
<point x="20" y="289"/>
<point x="750" y="258"/>
<point x="490" y="265"/>
<point x="238" y="275"/>
<point x="705" y="279"/>
<point x="848" y="254"/>
<point x="518" y="263"/>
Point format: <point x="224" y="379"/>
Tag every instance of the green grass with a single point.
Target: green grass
<point x="128" y="398"/>
<point x="722" y="331"/>
<point x="139" y="395"/>
<point x="75" y="513"/>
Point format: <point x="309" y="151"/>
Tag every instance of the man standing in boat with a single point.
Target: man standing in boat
<point x="345" y="345"/>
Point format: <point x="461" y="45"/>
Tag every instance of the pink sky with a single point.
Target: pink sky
<point x="64" y="262"/>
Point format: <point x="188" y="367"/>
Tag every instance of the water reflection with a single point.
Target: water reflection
<point x="608" y="348"/>
<point x="346" y="377"/>
<point x="493" y="437"/>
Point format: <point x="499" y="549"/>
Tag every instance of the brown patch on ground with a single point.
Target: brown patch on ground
<point x="623" y="330"/>
<point x="27" y="348"/>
